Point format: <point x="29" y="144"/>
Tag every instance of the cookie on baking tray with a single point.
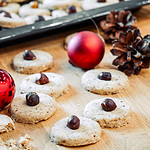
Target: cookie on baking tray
<point x="16" y="1"/>
<point x="108" y="112"/>
<point x="36" y="18"/>
<point x="6" y="124"/>
<point x="9" y="7"/>
<point x="104" y="81"/>
<point x="10" y="20"/>
<point x="59" y="13"/>
<point x="75" y="131"/>
<point x="48" y="83"/>
<point x="33" y="61"/>
<point x="33" y="8"/>
<point x="32" y="107"/>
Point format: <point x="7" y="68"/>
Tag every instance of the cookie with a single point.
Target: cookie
<point x="60" y="4"/>
<point x="56" y="87"/>
<point x="10" y="20"/>
<point x="16" y="1"/>
<point x="6" y="124"/>
<point x="92" y="4"/>
<point x="59" y="13"/>
<point x="11" y="7"/>
<point x="42" y="62"/>
<point x="2" y="145"/>
<point x="118" y="117"/>
<point x="22" y="144"/>
<point x="88" y="132"/>
<point x="91" y="81"/>
<point x="35" y="18"/>
<point x="22" y="112"/>
<point x="29" y="9"/>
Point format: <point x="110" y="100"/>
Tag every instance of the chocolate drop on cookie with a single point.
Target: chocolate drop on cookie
<point x="101" y="0"/>
<point x="71" y="9"/>
<point x="32" y="99"/>
<point x="40" y="18"/>
<point x="43" y="79"/>
<point x="73" y="122"/>
<point x="105" y="76"/>
<point x="108" y="105"/>
<point x="28" y="55"/>
<point x="6" y="14"/>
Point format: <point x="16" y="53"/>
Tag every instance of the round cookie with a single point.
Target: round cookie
<point x="16" y="1"/>
<point x="88" y="132"/>
<point x="35" y="18"/>
<point x="27" y="10"/>
<point x="91" y="82"/>
<point x="56" y="87"/>
<point x="10" y="20"/>
<point x="59" y="13"/>
<point x="43" y="61"/>
<point x="23" y="113"/>
<point x="118" y="117"/>
<point x="11" y="7"/>
<point x="6" y="124"/>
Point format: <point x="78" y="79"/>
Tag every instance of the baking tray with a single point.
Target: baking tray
<point x="53" y="25"/>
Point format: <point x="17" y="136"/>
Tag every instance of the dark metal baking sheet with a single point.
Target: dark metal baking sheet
<point x="69" y="20"/>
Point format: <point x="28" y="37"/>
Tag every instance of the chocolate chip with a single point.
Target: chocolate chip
<point x="43" y="79"/>
<point x="108" y="105"/>
<point x="105" y="76"/>
<point x="73" y="122"/>
<point x="6" y="14"/>
<point x="40" y="18"/>
<point x="71" y="9"/>
<point x="28" y="55"/>
<point x="32" y="99"/>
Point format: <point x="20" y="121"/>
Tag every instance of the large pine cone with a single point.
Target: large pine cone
<point x="115" y="23"/>
<point x="133" y="52"/>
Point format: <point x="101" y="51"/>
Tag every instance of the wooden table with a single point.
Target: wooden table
<point x="134" y="136"/>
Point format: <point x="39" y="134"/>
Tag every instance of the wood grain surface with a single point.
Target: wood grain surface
<point x="134" y="136"/>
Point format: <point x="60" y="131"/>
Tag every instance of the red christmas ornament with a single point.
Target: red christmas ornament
<point x="7" y="88"/>
<point x="85" y="50"/>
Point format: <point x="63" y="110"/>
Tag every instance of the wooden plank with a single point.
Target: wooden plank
<point x="134" y="136"/>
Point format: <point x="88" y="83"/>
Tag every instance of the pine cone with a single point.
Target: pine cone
<point x="115" y="23"/>
<point x="132" y="51"/>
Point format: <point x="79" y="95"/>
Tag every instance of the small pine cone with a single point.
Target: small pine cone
<point x="132" y="51"/>
<point x="115" y="23"/>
